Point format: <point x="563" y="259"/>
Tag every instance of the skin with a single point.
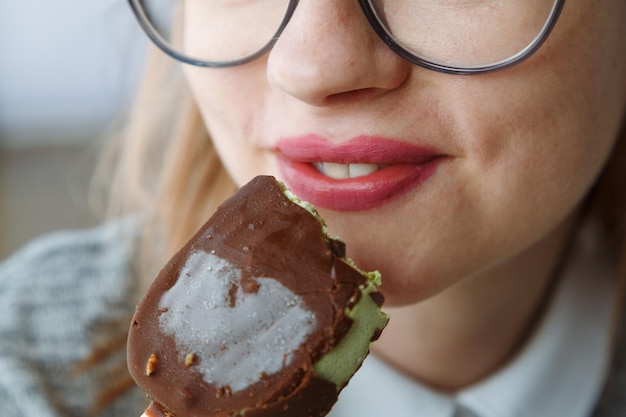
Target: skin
<point x="467" y="257"/>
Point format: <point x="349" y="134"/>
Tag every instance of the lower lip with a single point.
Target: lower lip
<point x="355" y="194"/>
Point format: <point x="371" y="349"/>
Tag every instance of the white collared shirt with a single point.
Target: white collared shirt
<point x="560" y="372"/>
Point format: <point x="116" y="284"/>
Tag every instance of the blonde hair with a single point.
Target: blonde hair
<point x="162" y="166"/>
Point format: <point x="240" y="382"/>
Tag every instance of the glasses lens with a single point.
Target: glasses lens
<point x="464" y="33"/>
<point x="215" y="30"/>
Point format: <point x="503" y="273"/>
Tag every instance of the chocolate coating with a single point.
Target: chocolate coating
<point x="262" y="234"/>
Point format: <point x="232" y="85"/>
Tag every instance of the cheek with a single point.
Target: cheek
<point x="542" y="131"/>
<point x="561" y="111"/>
<point x="229" y="101"/>
<point x="535" y="146"/>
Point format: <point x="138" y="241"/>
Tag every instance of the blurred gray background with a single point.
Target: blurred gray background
<point x="68" y="71"/>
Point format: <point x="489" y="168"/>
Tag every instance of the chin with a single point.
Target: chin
<point x="402" y="288"/>
<point x="410" y="291"/>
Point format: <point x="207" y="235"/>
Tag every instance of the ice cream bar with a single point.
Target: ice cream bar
<point x="260" y="314"/>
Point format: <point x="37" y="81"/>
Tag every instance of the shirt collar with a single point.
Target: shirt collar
<point x="559" y="372"/>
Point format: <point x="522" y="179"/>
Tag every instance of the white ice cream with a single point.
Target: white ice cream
<point x="270" y="323"/>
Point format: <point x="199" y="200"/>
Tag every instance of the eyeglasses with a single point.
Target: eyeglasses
<point x="451" y="36"/>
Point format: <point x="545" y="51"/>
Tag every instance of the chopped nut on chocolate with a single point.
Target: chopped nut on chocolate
<point x="151" y="366"/>
<point x="190" y="359"/>
<point x="224" y="391"/>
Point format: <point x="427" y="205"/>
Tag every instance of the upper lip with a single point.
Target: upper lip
<point x="363" y="149"/>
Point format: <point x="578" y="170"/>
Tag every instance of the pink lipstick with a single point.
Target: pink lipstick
<point x="362" y="173"/>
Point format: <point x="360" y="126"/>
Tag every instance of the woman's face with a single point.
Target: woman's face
<point x="449" y="175"/>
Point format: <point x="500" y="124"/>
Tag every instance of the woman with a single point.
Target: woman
<point x="469" y="151"/>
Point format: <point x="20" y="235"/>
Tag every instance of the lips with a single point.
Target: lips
<point x="362" y="173"/>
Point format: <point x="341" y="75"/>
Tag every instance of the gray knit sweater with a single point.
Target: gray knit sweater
<point x="69" y="292"/>
<point x="60" y="296"/>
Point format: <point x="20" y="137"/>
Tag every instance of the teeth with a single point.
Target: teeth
<point x="332" y="170"/>
<point x="358" y="170"/>
<point x="344" y="171"/>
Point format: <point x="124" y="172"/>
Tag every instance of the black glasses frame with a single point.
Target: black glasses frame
<point x="375" y="22"/>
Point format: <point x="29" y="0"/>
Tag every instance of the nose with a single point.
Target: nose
<point x="329" y="49"/>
